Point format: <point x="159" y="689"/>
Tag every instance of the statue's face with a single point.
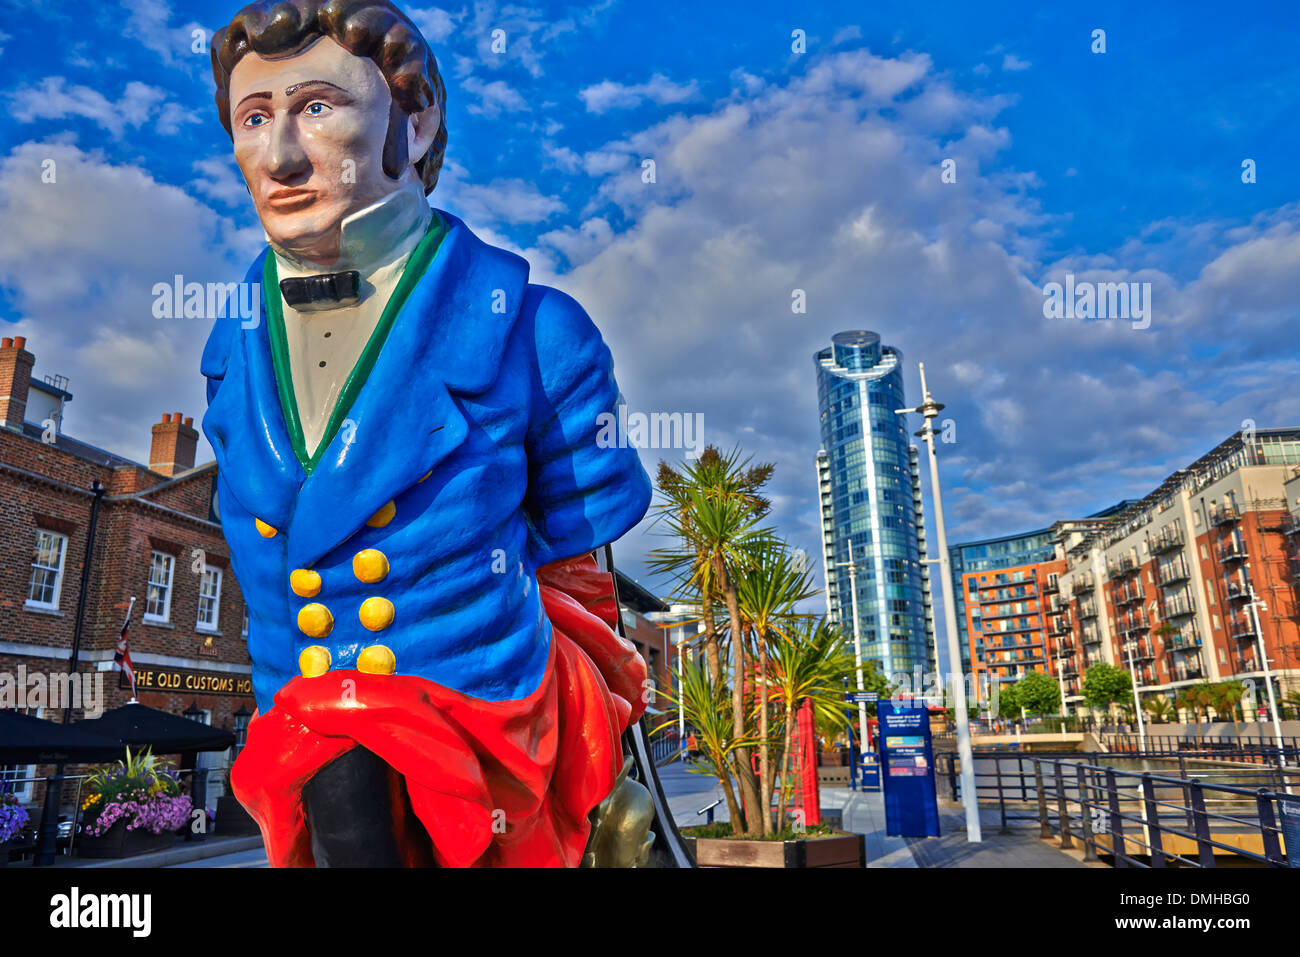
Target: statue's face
<point x="309" y="133"/>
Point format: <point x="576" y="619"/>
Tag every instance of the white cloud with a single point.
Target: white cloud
<point x="435" y="24"/>
<point x="80" y="257"/>
<point x="608" y="95"/>
<point x="499" y="202"/>
<point x="1012" y="63"/>
<point x="493" y="98"/>
<point x="54" y="99"/>
<point x="692" y="289"/>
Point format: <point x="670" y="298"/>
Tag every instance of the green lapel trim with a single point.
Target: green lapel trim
<point x="411" y="275"/>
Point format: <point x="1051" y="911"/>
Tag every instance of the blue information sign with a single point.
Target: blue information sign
<point x="907" y="769"/>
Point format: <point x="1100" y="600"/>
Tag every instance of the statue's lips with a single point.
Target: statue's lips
<point x="289" y="200"/>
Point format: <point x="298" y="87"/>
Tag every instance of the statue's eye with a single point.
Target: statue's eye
<point x="316" y="109"/>
<point x="257" y="119"/>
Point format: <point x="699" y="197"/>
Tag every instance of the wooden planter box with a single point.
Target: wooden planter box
<point x="233" y="820"/>
<point x="833" y="759"/>
<point x="839" y="850"/>
<point x="119" y="842"/>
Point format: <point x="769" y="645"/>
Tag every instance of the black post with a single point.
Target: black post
<point x="48" y="837"/>
<point x="1085" y="815"/>
<point x="1118" y="845"/>
<point x="1152" y="815"/>
<point x="1045" y="829"/>
<point x="1063" y="815"/>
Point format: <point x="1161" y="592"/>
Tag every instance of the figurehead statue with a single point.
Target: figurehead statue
<point x="413" y="484"/>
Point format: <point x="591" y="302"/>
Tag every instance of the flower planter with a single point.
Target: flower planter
<point x="835" y="850"/>
<point x="117" y="841"/>
<point x="232" y="819"/>
<point x="833" y="759"/>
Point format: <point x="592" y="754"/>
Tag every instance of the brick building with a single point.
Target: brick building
<point x="156" y="537"/>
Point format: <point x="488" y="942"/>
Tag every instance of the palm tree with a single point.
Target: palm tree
<point x="1160" y="708"/>
<point x="716" y="475"/>
<point x="713" y="507"/>
<point x="810" y="662"/>
<point x="769" y="585"/>
<point x="706" y="705"/>
<point x="1227" y="696"/>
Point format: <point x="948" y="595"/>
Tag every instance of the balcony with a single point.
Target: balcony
<point x="1179" y="606"/>
<point x="1051" y="587"/>
<point x="1134" y="625"/>
<point x="1172" y="573"/>
<point x="1087" y="611"/>
<point x="1236" y="591"/>
<point x="1128" y="595"/>
<point x="1291" y="524"/>
<point x="1168" y="540"/>
<point x="1183" y="641"/>
<point x="1092" y="638"/>
<point x="1234" y="551"/>
<point x="1224" y="514"/>
<point x="1065" y="649"/>
<point x="1059" y="628"/>
<point x="1084" y="584"/>
<point x="1241" y="629"/>
<point x="1124" y="565"/>
<point x="1188" y="674"/>
<point x="1143" y="653"/>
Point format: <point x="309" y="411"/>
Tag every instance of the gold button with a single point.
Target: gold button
<point x="425" y="476"/>
<point x="315" y="620"/>
<point x="266" y="531"/>
<point x="377" y="660"/>
<point x="383" y="516"/>
<point x="376" y="613"/>
<point x="305" y="582"/>
<point x="370" y="565"/>
<point x="314" y="661"/>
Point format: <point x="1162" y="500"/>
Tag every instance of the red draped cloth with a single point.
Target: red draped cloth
<point x="495" y="783"/>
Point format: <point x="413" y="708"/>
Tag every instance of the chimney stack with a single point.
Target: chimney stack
<point x="175" y="444"/>
<point x="15" y="379"/>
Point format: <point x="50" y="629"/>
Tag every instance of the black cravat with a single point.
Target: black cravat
<point x="341" y="288"/>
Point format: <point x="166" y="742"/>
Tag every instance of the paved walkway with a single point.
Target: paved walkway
<point x="864" y="813"/>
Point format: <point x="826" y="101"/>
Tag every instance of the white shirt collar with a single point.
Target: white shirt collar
<point x="371" y="238"/>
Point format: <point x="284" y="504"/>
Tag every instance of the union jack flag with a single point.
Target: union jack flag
<point x="122" y="657"/>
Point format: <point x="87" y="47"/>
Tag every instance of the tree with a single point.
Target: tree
<point x="769" y="586"/>
<point x="712" y="509"/>
<point x="1038" y="694"/>
<point x="1227" y="698"/>
<point x="1160" y="708"/>
<point x="1198" y="699"/>
<point x="1104" y="684"/>
<point x="1008" y="703"/>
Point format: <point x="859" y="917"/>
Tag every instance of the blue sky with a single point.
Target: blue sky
<point x="775" y="171"/>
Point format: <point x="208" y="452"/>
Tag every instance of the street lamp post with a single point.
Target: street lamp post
<point x="1060" y="685"/>
<point x="1137" y="701"/>
<point x="930" y="410"/>
<point x="857" y="644"/>
<point x="1255" y="604"/>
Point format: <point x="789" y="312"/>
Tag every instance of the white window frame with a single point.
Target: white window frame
<point x="170" y="565"/>
<point x="243" y="628"/>
<point x="58" y="571"/>
<point x="215" y="599"/>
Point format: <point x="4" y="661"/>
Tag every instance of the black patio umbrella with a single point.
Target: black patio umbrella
<point x="28" y="740"/>
<point x="139" y="726"/>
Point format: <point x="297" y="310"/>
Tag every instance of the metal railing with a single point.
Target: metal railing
<point x="1235" y="748"/>
<point x="665" y="746"/>
<point x="1138" y="817"/>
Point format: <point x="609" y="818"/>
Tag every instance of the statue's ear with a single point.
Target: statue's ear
<point x="421" y="129"/>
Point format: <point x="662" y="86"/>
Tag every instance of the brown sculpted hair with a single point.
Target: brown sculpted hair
<point x="375" y="29"/>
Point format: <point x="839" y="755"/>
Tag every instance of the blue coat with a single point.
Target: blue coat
<point x="479" y="426"/>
